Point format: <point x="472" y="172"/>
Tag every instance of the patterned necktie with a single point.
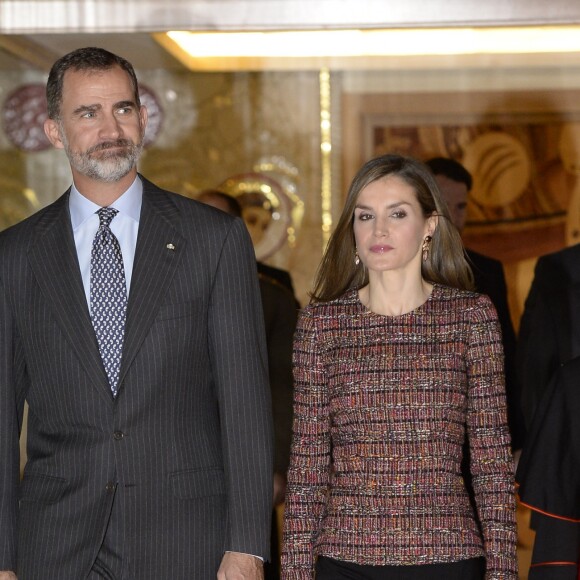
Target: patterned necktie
<point x="108" y="296"/>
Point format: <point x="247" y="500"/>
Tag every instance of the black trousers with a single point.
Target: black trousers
<point x="330" y="569"/>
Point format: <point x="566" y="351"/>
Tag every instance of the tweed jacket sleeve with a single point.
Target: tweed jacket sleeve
<point x="491" y="461"/>
<point x="310" y="457"/>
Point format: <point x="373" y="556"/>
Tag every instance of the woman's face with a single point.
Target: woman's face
<point x="389" y="226"/>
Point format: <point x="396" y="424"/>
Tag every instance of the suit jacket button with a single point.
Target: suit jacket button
<point x="118" y="435"/>
<point x="110" y="487"/>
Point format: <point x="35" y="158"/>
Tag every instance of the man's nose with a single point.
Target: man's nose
<point x="110" y="127"/>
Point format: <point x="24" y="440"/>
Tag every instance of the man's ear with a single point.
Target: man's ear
<point x="52" y="131"/>
<point x="143" y="116"/>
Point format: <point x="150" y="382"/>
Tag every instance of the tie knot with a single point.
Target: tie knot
<point x="106" y="215"/>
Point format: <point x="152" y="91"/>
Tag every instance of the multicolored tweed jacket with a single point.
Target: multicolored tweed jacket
<point x="382" y="406"/>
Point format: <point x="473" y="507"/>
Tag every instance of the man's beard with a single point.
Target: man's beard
<point x="109" y="167"/>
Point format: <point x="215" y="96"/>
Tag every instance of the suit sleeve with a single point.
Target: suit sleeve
<point x="549" y="480"/>
<point x="548" y="468"/>
<point x="10" y="422"/>
<point x="537" y="351"/>
<point x="239" y="364"/>
<point x="556" y="549"/>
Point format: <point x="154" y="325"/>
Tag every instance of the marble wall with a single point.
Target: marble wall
<point x="264" y="127"/>
<point x="207" y="128"/>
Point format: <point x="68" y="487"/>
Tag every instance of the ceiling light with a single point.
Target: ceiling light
<point x="193" y="48"/>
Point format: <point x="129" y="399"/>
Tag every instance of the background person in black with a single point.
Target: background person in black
<point x="550" y="325"/>
<point x="455" y="182"/>
<point x="549" y="477"/>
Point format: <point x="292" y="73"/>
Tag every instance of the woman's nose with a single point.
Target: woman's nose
<point x="381" y="227"/>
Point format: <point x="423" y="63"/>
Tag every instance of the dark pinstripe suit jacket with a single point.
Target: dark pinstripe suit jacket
<point x="188" y="439"/>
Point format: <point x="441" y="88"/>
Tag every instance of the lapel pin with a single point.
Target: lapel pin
<point x="170" y="247"/>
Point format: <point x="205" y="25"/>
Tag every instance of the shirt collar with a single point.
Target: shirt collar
<point x="129" y="204"/>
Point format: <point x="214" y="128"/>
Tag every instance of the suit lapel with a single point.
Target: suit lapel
<point x="53" y="259"/>
<point x="157" y="255"/>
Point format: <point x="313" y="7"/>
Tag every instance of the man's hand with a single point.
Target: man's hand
<point x="7" y="575"/>
<point x="236" y="566"/>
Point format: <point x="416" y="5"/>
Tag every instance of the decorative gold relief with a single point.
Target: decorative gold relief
<point x="270" y="203"/>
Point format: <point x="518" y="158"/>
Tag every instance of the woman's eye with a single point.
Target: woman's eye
<point x="399" y="214"/>
<point x="364" y="216"/>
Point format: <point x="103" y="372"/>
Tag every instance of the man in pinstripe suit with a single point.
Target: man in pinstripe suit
<point x="169" y="478"/>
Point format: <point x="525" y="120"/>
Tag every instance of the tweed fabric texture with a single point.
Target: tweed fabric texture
<point x="382" y="406"/>
<point x="108" y="295"/>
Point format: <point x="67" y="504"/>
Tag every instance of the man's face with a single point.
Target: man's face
<point x="455" y="196"/>
<point x="101" y="127"/>
<point x="257" y="221"/>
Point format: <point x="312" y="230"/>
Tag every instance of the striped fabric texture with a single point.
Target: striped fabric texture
<point x="186" y="445"/>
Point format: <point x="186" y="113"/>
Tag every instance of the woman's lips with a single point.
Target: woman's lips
<point x="381" y="249"/>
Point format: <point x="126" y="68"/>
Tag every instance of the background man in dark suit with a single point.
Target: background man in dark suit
<point x="455" y="182"/>
<point x="160" y="469"/>
<point x="550" y="325"/>
<point x="281" y="276"/>
<point x="549" y="477"/>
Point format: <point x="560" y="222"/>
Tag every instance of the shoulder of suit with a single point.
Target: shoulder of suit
<point x="274" y="284"/>
<point x="558" y="268"/>
<point x="570" y="253"/>
<point x="482" y="258"/>
<point x="282" y="276"/>
<point x="186" y="206"/>
<point x="22" y="232"/>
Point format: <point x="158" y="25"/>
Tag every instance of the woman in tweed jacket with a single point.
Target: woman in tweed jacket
<point x="396" y="361"/>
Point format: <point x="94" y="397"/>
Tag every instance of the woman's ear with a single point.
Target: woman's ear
<point x="432" y="223"/>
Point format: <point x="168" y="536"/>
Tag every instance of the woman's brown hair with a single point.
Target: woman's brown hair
<point x="446" y="263"/>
